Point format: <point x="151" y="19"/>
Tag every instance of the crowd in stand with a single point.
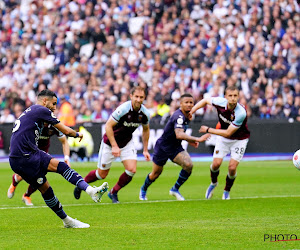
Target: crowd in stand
<point x="91" y="52"/>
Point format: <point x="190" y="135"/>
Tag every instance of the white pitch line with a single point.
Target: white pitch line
<point x="5" y="207"/>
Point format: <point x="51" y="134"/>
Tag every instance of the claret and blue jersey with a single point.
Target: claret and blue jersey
<point x="28" y="128"/>
<point x="236" y="117"/>
<point x="128" y="120"/>
<point x="44" y="139"/>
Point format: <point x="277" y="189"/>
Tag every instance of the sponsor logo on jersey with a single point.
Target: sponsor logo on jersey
<point x="44" y="137"/>
<point x="131" y="124"/>
<point x="224" y="119"/>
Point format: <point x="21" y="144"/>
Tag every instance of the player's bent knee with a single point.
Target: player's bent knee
<point x="131" y="169"/>
<point x="232" y="168"/>
<point x="53" y="164"/>
<point x="216" y="164"/>
<point x="101" y="174"/>
<point x="43" y="188"/>
<point x="130" y="173"/>
<point x="154" y="175"/>
<point x="188" y="167"/>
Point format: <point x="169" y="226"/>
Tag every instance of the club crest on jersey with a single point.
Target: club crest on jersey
<point x="232" y="117"/>
<point x="140" y="117"/>
<point x="217" y="151"/>
<point x="40" y="180"/>
<point x="119" y="111"/>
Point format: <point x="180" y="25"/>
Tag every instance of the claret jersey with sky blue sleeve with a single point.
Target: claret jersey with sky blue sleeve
<point x="47" y="132"/>
<point x="128" y="120"/>
<point x="236" y="117"/>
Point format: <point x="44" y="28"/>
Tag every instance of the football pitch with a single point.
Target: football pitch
<point x="263" y="211"/>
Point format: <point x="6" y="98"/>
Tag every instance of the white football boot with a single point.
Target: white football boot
<point x="96" y="193"/>
<point x="73" y="223"/>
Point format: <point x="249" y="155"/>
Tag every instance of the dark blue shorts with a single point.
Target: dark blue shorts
<point x="160" y="157"/>
<point x="33" y="168"/>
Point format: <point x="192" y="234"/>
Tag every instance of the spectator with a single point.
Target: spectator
<point x="124" y="41"/>
<point x="65" y="114"/>
<point x="161" y="109"/>
<point x="82" y="150"/>
<point x="7" y="116"/>
<point x="2" y="150"/>
<point x="97" y="115"/>
<point x="264" y="113"/>
<point x="182" y="46"/>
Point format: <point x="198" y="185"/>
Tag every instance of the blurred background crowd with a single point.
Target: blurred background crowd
<point x="91" y="52"/>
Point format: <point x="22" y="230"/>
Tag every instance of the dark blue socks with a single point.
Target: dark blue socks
<point x="52" y="202"/>
<point x="71" y="175"/>
<point x="183" y="176"/>
<point x="147" y="183"/>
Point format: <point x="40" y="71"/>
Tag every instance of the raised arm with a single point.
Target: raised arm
<point x="200" y="104"/>
<point x="181" y="135"/>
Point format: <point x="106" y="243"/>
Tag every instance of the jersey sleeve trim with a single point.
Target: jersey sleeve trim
<point x="234" y="125"/>
<point x="147" y="113"/>
<point x="60" y="134"/>
<point x="114" y="118"/>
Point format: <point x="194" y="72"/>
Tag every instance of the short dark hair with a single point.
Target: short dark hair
<point x="231" y="88"/>
<point x="137" y="88"/>
<point x="186" y="95"/>
<point x="47" y="92"/>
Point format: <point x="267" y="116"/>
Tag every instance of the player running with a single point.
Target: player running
<point x="233" y="139"/>
<point x="168" y="146"/>
<point x="117" y="142"/>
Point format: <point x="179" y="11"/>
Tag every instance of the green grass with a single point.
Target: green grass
<point x="264" y="200"/>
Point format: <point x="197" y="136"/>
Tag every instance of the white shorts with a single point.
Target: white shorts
<point x="236" y="148"/>
<point x="105" y="157"/>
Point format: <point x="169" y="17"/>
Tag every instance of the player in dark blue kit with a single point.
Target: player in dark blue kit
<point x="168" y="146"/>
<point x="43" y="144"/>
<point x="32" y="164"/>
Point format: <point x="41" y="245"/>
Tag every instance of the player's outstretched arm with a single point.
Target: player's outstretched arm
<point x="222" y="132"/>
<point x="181" y="135"/>
<point x="145" y="138"/>
<point x="199" y="105"/>
<point x="68" y="131"/>
<point x="203" y="138"/>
